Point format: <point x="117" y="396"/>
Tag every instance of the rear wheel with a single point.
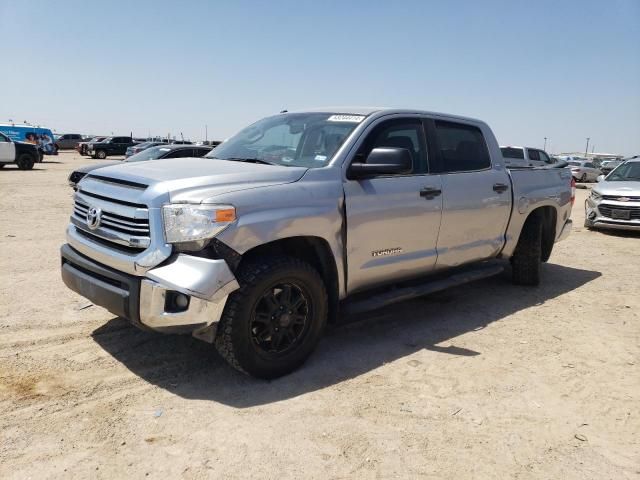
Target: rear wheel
<point x="527" y="257"/>
<point x="274" y="321"/>
<point x="25" y="161"/>
<point x="583" y="178"/>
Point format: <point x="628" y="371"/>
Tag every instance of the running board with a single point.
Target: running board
<point x="400" y="294"/>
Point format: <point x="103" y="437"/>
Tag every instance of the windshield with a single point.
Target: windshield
<point x="152" y="153"/>
<point x="296" y="139"/>
<point x="625" y="172"/>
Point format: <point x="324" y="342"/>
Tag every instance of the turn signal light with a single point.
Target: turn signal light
<point x="226" y="215"/>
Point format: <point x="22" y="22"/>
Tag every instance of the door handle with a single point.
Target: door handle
<point x="429" y="193"/>
<point x="500" y="187"/>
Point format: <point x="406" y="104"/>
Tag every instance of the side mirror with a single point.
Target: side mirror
<point x="383" y="161"/>
<point x="600" y="178"/>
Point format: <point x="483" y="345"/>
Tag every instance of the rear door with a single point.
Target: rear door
<point x="476" y="196"/>
<point x="392" y="227"/>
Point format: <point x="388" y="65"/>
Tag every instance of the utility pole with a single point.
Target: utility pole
<point x="206" y="133"/>
<point x="586" y="150"/>
<point x="545" y="144"/>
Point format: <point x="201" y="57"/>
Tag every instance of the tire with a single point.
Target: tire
<point x="248" y="336"/>
<point x="101" y="154"/>
<point x="587" y="224"/>
<point x="40" y="157"/>
<point x="583" y="178"/>
<point x="2" y="166"/>
<point x="25" y="161"/>
<point x="527" y="257"/>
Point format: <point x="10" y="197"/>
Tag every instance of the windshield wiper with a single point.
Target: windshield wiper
<point x="248" y="160"/>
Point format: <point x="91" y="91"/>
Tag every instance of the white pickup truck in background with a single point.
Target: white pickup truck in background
<point x="525" y="157"/>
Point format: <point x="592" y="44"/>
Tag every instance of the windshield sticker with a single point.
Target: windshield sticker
<point x="320" y="158"/>
<point x="346" y="118"/>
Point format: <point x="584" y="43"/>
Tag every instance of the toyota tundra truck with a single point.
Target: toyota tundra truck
<point x="305" y="217"/>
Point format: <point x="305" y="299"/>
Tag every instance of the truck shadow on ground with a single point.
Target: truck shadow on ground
<point x="192" y="369"/>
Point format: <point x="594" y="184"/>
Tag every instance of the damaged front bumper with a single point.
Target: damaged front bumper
<point x="187" y="294"/>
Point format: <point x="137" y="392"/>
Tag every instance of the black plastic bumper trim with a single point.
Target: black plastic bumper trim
<point x="116" y="291"/>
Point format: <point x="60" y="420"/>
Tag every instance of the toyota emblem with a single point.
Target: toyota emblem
<point x="93" y="217"/>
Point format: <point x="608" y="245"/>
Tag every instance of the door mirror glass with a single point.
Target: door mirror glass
<point x="383" y="161"/>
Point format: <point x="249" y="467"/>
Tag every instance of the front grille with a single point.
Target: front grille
<point x="616" y="197"/>
<point x="605" y="210"/>
<point x="124" y="231"/>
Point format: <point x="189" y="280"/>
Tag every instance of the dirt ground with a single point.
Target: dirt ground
<point x="486" y="380"/>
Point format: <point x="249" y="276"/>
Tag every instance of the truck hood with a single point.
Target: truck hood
<point x="198" y="179"/>
<point x="625" y="188"/>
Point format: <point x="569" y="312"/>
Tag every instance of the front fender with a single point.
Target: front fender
<point x="301" y="209"/>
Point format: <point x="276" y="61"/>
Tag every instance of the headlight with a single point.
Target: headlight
<point x="595" y="195"/>
<point x="189" y="223"/>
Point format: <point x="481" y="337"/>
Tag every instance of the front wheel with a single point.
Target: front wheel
<point x="527" y="257"/>
<point x="101" y="154"/>
<point x="583" y="178"/>
<point x="25" y="161"/>
<point x="273" y="322"/>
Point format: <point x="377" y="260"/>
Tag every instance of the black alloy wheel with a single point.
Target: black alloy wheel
<point x="280" y="319"/>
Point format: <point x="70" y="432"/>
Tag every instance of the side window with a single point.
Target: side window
<point x="462" y="147"/>
<point x="402" y="133"/>
<point x="3" y="139"/>
<point x="534" y="155"/>
<point x="589" y="165"/>
<point x="200" y="152"/>
<point x="180" y="153"/>
<point x="544" y="157"/>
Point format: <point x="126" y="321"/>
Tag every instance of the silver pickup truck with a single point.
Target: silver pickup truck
<point x="304" y="216"/>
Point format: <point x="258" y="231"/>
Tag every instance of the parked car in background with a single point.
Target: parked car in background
<point x="110" y="146"/>
<point x="181" y="142"/>
<point x="152" y="153"/>
<point x="584" y="170"/>
<point x="608" y="165"/>
<point x="23" y="154"/>
<point x="615" y="201"/>
<point x="132" y="150"/>
<point x="525" y="157"/>
<point x="68" y="141"/>
<point x="82" y="147"/>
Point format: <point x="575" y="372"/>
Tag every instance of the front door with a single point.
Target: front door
<point x="7" y="149"/>
<point x="392" y="220"/>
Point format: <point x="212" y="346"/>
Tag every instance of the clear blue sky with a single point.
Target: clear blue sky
<point x="564" y="69"/>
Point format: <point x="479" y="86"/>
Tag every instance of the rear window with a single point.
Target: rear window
<point x="575" y="164"/>
<point x="510" y="152"/>
<point x="462" y="147"/>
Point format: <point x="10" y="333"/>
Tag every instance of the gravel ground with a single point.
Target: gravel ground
<point x="486" y="380"/>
